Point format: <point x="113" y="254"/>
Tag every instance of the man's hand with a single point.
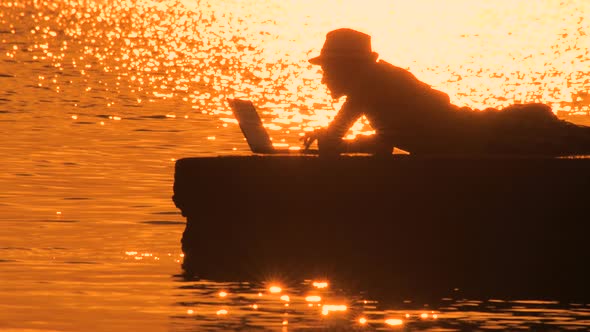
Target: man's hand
<point x="311" y="137"/>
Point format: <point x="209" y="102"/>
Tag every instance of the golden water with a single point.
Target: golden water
<point x="98" y="98"/>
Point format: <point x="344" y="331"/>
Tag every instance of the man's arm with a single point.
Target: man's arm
<point x="344" y="119"/>
<point x="331" y="140"/>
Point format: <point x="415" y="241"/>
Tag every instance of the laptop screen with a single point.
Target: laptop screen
<point x="251" y="126"/>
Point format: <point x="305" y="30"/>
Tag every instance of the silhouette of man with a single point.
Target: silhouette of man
<point x="399" y="107"/>
<point x="411" y="115"/>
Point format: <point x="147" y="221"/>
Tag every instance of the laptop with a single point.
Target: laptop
<point x="255" y="133"/>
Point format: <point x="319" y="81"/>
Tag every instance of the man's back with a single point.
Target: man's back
<point x="398" y="86"/>
<point x="396" y="102"/>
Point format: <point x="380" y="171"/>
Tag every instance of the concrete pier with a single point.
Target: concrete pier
<point x="400" y="227"/>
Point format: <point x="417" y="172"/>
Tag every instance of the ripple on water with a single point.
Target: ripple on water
<point x="65" y="221"/>
<point x="83" y="123"/>
<point x="163" y="222"/>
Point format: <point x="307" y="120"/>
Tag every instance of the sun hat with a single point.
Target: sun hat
<point x="345" y="44"/>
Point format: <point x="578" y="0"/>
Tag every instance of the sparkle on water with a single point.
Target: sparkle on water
<point x="203" y="52"/>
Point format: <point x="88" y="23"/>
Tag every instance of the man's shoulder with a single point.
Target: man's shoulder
<point x="388" y="71"/>
<point x="386" y="65"/>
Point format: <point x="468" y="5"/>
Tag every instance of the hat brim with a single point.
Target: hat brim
<point x="316" y="61"/>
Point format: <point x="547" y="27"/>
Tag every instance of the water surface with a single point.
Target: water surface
<point x="99" y="98"/>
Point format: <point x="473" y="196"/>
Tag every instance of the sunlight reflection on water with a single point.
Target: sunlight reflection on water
<point x="133" y="52"/>
<point x="100" y="98"/>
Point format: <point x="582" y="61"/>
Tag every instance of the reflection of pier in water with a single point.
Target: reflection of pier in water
<point x="401" y="228"/>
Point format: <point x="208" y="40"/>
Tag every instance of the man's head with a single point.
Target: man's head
<point x="345" y="54"/>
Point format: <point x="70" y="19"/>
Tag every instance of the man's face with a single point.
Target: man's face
<point x="336" y="77"/>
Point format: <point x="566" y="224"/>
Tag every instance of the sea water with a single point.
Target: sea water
<point x="99" y="98"/>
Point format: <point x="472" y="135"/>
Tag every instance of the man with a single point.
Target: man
<point x="402" y="110"/>
<point x="409" y="114"/>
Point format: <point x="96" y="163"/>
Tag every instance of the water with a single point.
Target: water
<point x="99" y="98"/>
